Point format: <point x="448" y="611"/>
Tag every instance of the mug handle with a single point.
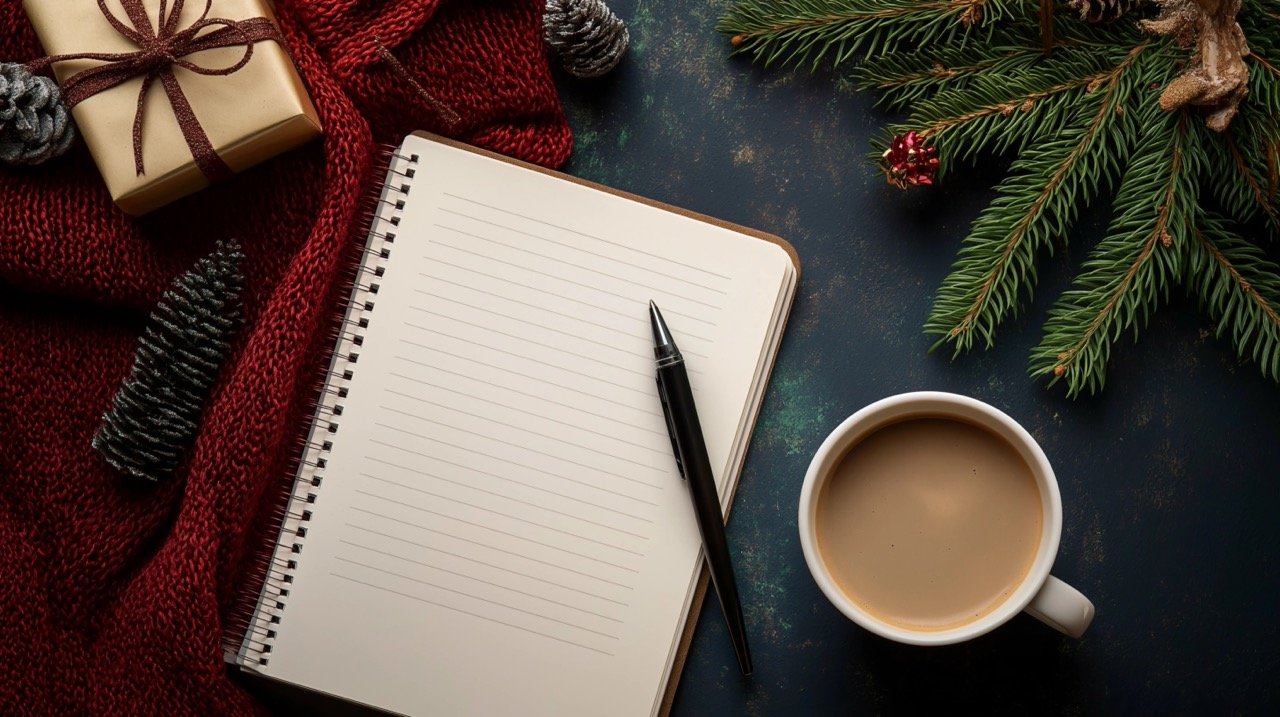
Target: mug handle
<point x="1062" y="607"/>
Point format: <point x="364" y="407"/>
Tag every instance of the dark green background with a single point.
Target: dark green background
<point x="1169" y="479"/>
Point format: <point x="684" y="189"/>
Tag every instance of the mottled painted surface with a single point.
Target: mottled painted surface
<point x="1170" y="480"/>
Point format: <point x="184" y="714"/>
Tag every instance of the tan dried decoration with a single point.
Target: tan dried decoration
<point x="1217" y="77"/>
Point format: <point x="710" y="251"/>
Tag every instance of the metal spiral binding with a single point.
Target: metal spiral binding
<point x="258" y="625"/>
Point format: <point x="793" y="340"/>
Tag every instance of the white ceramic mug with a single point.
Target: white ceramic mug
<point x="1040" y="594"/>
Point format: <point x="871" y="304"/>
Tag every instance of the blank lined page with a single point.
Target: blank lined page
<point x="502" y="529"/>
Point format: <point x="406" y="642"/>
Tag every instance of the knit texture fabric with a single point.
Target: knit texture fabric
<point x="114" y="593"/>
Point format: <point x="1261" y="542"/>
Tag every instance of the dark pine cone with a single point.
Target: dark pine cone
<point x="156" y="411"/>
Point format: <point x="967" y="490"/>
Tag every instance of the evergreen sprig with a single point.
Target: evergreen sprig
<point x="997" y="260"/>
<point x="1076" y="109"/>
<point x="1132" y="269"/>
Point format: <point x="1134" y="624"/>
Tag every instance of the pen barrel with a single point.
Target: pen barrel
<point x="696" y="466"/>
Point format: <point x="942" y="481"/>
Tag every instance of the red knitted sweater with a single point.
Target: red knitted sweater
<point x="113" y="595"/>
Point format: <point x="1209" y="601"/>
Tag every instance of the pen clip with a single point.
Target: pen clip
<point x="671" y="426"/>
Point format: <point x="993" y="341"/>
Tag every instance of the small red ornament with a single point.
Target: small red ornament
<point x="909" y="161"/>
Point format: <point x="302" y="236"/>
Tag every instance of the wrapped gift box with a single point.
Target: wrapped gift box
<point x="249" y="115"/>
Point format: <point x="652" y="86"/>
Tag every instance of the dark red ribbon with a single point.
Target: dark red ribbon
<point x="159" y="49"/>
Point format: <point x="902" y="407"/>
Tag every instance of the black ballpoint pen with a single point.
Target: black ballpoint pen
<point x="695" y="467"/>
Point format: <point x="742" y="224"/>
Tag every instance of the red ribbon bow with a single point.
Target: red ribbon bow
<point x="159" y="49"/>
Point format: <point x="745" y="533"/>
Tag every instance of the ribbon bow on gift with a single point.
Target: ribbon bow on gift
<point x="159" y="49"/>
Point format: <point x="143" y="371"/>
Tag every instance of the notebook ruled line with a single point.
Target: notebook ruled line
<point x="584" y="234"/>
<point x="541" y="417"/>
<point x="508" y="516"/>
<point x="607" y="454"/>
<point x="638" y="351"/>
<point x="553" y="456"/>
<point x="443" y="242"/>
<point x="472" y="614"/>
<point x="573" y="356"/>
<point x="514" y="463"/>
<point x="527" y="539"/>
<point x="544" y="292"/>
<point x="473" y="559"/>
<point x="502" y="387"/>
<point x="538" y="306"/>
<point x="512" y="354"/>
<point x="482" y="581"/>
<point x="388" y="481"/>
<point x="577" y="356"/>
<point x="627" y="352"/>
<point x="472" y="596"/>
<point x="540" y="309"/>
<point x="586" y="251"/>
<point x="494" y="548"/>
<point x="615" y="277"/>
<point x="512" y="481"/>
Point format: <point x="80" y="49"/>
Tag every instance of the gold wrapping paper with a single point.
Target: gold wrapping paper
<point x="249" y="116"/>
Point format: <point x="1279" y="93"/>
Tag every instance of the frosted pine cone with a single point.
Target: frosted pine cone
<point x="586" y="34"/>
<point x="34" y="124"/>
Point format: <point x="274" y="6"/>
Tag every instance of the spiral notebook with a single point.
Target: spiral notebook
<point x="487" y="518"/>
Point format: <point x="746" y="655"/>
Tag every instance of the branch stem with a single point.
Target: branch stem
<point x="1253" y="55"/>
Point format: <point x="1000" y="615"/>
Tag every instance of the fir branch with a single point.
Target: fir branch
<point x="1240" y="289"/>
<point x="1263" y="197"/>
<point x="1013" y="110"/>
<point x="1131" y="269"/>
<point x="805" y="33"/>
<point x="998" y="99"/>
<point x="906" y="77"/>
<point x="1047" y="188"/>
<point x="910" y="75"/>
<point x="978" y="79"/>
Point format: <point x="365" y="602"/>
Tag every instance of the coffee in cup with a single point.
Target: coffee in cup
<point x="931" y="518"/>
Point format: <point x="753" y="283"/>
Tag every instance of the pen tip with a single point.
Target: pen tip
<point x="662" y="341"/>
